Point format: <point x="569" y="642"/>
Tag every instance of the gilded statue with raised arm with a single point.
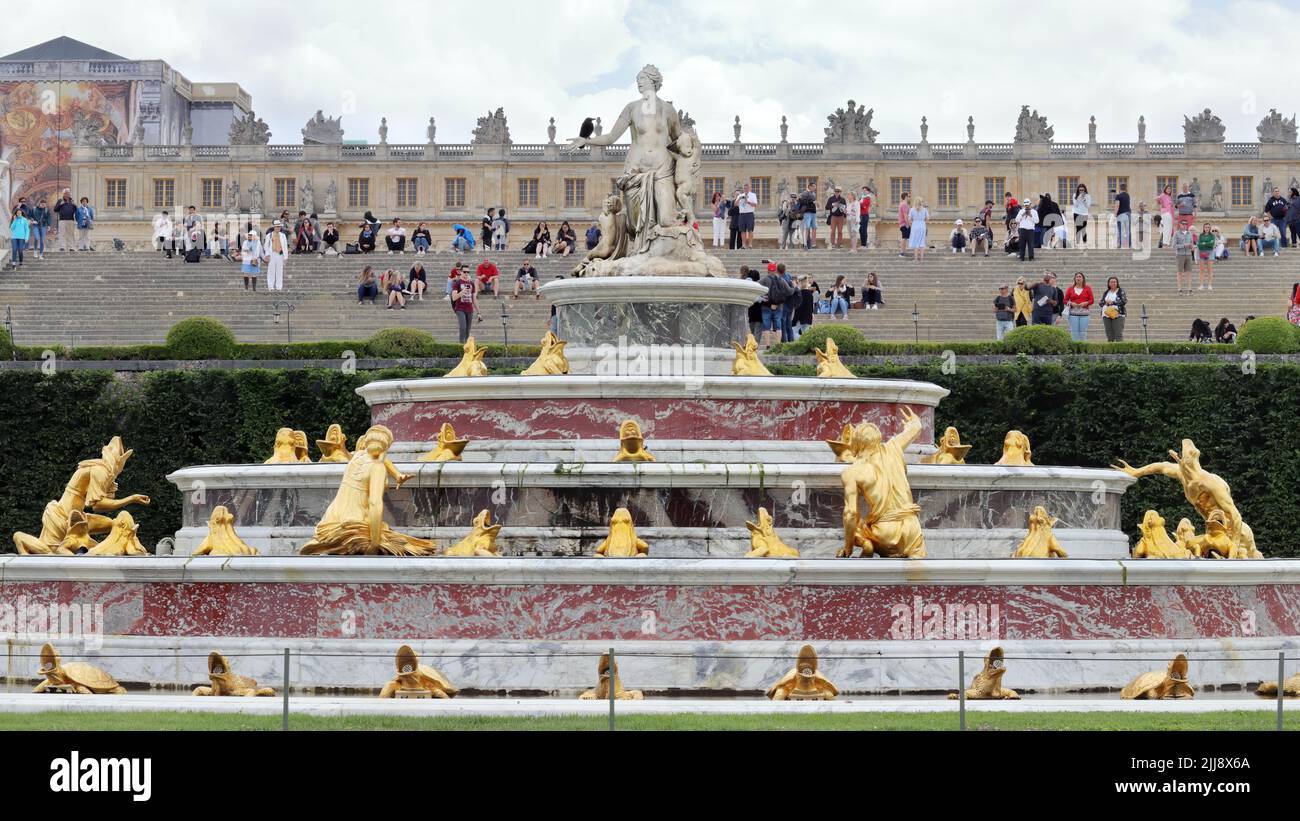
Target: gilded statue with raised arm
<point x="747" y="362"/>
<point x="482" y="538"/>
<point x="950" y="450"/>
<point x="1207" y="492"/>
<point x="551" y="361"/>
<point x="631" y="444"/>
<point x="92" y="491"/>
<point x="803" y="682"/>
<point x="471" y="360"/>
<point x="446" y="448"/>
<point x="988" y="682"/>
<point x="1040" y="542"/>
<point x="763" y="541"/>
<point x="829" y="365"/>
<point x="607" y="676"/>
<point x="353" y="524"/>
<point x="1155" y="542"/>
<point x="879" y="514"/>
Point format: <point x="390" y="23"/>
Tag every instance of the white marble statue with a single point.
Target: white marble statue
<point x="307" y="198"/>
<point x="331" y="197"/>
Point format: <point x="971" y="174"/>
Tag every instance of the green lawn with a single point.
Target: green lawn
<point x="1237" y="720"/>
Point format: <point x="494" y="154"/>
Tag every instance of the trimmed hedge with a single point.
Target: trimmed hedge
<point x="1269" y="334"/>
<point x="254" y="351"/>
<point x="847" y="338"/>
<point x="201" y="337"/>
<point x="401" y="343"/>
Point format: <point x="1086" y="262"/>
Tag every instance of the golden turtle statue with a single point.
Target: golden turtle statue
<point x="222" y="540"/>
<point x="482" y="538"/>
<point x="950" y="450"/>
<point x="803" y="682"/>
<point x="551" y="361"/>
<point x="631" y="444"/>
<point x="829" y="365"/>
<point x="77" y="676"/>
<point x="763" y="541"/>
<point x="747" y="362"/>
<point x="987" y="683"/>
<point x="622" y="541"/>
<point x="1290" y="687"/>
<point x="226" y="683"/>
<point x="412" y="675"/>
<point x="1016" y="451"/>
<point x="471" y="361"/>
<point x="446" y="448"/>
<point x="601" y="691"/>
<point x="122" y="539"/>
<point x="1170" y="684"/>
<point x="1040" y="542"/>
<point x="1155" y="542"/>
<point x="334" y="447"/>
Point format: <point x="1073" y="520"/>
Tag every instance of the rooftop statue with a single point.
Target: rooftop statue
<point x="412" y="676"/>
<point x="227" y="683"/>
<point x="987" y="683"/>
<point x="222" y="540"/>
<point x="622" y="541"/>
<point x="1170" y="684"/>
<point x="322" y="130"/>
<point x="631" y="444"/>
<point x="551" y="361"/>
<point x="1033" y="128"/>
<point x="1016" y="451"/>
<point x="660" y="236"/>
<point x="763" y="541"/>
<point x="879" y="514"/>
<point x="829" y="365"/>
<point x="492" y="129"/>
<point x="92" y="491"/>
<point x="334" y="447"/>
<point x="1040" y="542"/>
<point x="249" y="130"/>
<point x="803" y="682"/>
<point x="482" y="538"/>
<point x="747" y="362"/>
<point x="607" y="676"/>
<point x="354" y="522"/>
<point x="446" y="448"/>
<point x="1276" y="129"/>
<point x="1155" y="542"/>
<point x="950" y="450"/>
<point x="76" y="676"/>
<point x="1203" y="128"/>
<point x="471" y="361"/>
<point x="851" y="126"/>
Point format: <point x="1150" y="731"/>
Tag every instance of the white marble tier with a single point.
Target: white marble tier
<point x="673" y="290"/>
<point x="598" y="450"/>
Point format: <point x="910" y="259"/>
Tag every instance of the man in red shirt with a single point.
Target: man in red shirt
<point x="1013" y="208"/>
<point x="488" y="276"/>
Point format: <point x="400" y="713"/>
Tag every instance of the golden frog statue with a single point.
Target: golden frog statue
<point x="950" y="450"/>
<point x="122" y="539"/>
<point x="471" y="361"/>
<point x="412" y="675"/>
<point x="551" y="361"/>
<point x="446" y="448"/>
<point x="987" y="683"/>
<point x="300" y="447"/>
<point x="1216" y="542"/>
<point x="631" y="444"/>
<point x="886" y="521"/>
<point x="842" y="447"/>
<point x="222" y="540"/>
<point x="482" y="538"/>
<point x="601" y="691"/>
<point x="1169" y="684"/>
<point x="622" y="541"/>
<point x="747" y="362"/>
<point x="92" y="492"/>
<point x="334" y="447"/>
<point x="1207" y="492"/>
<point x="284" y="452"/>
<point x="1016" y="451"/>
<point x="763" y="541"/>
<point x="1155" y="542"/>
<point x="803" y="682"/>
<point x="77" y="676"/>
<point x="1040" y="542"/>
<point x="1290" y="687"/>
<point x="353" y="524"/>
<point x="226" y="683"/>
<point x="829" y="365"/>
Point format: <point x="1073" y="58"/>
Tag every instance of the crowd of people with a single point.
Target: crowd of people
<point x="32" y="224"/>
<point x="787" y="309"/>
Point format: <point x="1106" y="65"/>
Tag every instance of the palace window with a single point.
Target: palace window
<point x="1172" y="182"/>
<point x="802" y="183"/>
<point x="285" y="192"/>
<point x="762" y="188"/>
<point x="947" y="192"/>
<point x="575" y="193"/>
<point x="210" y="192"/>
<point x="714" y="185"/>
<point x="1243" y="192"/>
<point x="898" y="186"/>
<point x="1112" y="187"/>
<point x="407" y="192"/>
<point x="454" y="192"/>
<point x="115" y="193"/>
<point x="1065" y="188"/>
<point x="995" y="188"/>
<point x="528" y="189"/>
<point x="358" y="192"/>
<point x="164" y="192"/>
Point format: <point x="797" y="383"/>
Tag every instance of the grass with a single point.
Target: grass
<point x="1236" y="720"/>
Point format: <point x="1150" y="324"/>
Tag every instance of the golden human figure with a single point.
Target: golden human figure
<point x="334" y="447"/>
<point x="803" y="682"/>
<point x="471" y="361"/>
<point x="1016" y="451"/>
<point x="605" y="674"/>
<point x="1290" y="687"/>
<point x="354" y="521"/>
<point x="842" y="447"/>
<point x="1217" y="543"/>
<point x="446" y="448"/>
<point x="1170" y="684"/>
<point x="551" y="361"/>
<point x="829" y="365"/>
<point x="747" y="362"/>
<point x="417" y="677"/>
<point x="1155" y="542"/>
<point x="1206" y="491"/>
<point x="122" y="539"/>
<point x="227" y="683"/>
<point x="622" y="541"/>
<point x="763" y="541"/>
<point x="631" y="444"/>
<point x="482" y="538"/>
<point x="300" y="446"/>
<point x="889" y="524"/>
<point x="222" y="540"/>
<point x="987" y="683"/>
<point x="950" y="450"/>
<point x="284" y="452"/>
<point x="77" y="676"/>
<point x="1040" y="542"/>
<point x="92" y="490"/>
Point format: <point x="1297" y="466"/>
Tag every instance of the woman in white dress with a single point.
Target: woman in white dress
<point x="916" y="240"/>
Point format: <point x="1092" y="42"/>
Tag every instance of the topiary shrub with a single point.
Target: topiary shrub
<point x="201" y="337"/>
<point x="849" y="339"/>
<point x="1269" y="334"/>
<point x="400" y="343"/>
<point x="1038" y="339"/>
<point x="6" y="345"/>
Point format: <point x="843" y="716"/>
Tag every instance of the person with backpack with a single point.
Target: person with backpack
<point x="808" y="210"/>
<point x="778" y="291"/>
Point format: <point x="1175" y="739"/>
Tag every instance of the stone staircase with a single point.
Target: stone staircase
<point x="106" y="298"/>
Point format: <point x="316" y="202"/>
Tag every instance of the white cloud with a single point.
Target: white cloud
<point x="760" y="59"/>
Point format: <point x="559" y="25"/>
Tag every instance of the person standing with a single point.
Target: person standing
<point x="1026" y="222"/>
<point x="85" y="224"/>
<point x="250" y="255"/>
<point x="1276" y="207"/>
<point x="1044" y="295"/>
<point x="803" y="314"/>
<point x="1165" y="205"/>
<point x="864" y="217"/>
<point x="1080" y="210"/>
<point x="917" y="235"/>
<point x="275" y="250"/>
<point x="837" y="212"/>
<point x="733" y="222"/>
<point x="747" y="202"/>
<point x="1114" y="308"/>
<point x="792" y="302"/>
<point x="778" y="291"/>
<point x="464" y="302"/>
<point x="1185" y="207"/>
<point x="719" y="206"/>
<point x="789" y="219"/>
<point x="1024" y="303"/>
<point x="808" y="213"/>
<point x="1123" y="217"/>
<point x="1205" y="249"/>
<point x="1004" y="307"/>
<point x="1078" y="302"/>
<point x="904" y="226"/>
<point x="162" y="233"/>
<point x="1185" y="245"/>
<point x="41" y="215"/>
<point x="485" y="232"/>
<point x="20" y="230"/>
<point x="1292" y="226"/>
<point x="66" y="210"/>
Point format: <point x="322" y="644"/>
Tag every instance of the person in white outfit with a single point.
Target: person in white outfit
<point x="275" y="250"/>
<point x="162" y="233"/>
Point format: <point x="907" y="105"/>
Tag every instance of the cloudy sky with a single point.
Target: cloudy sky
<point x="570" y="59"/>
